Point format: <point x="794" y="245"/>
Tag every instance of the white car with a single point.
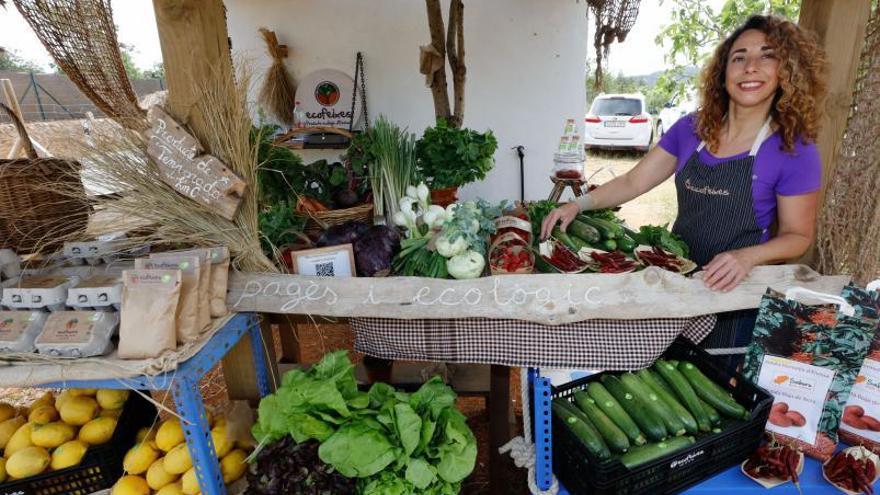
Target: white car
<point x="619" y="121"/>
<point x="672" y="112"/>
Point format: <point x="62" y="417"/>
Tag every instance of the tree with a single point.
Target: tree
<point x="155" y="72"/>
<point x="696" y="29"/>
<point x="433" y="57"/>
<point x="127" y="53"/>
<point x="11" y="60"/>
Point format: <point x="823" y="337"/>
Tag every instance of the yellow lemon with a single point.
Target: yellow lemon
<point x="8" y="428"/>
<point x="170" y="435"/>
<point x="6" y="411"/>
<point x="177" y="460"/>
<point x="98" y="431"/>
<point x="112" y="399"/>
<point x="2" y="470"/>
<point x="78" y="410"/>
<point x="130" y="485"/>
<point x="47" y="398"/>
<point x="233" y="466"/>
<point x="27" y="462"/>
<point x="146" y="434"/>
<point x="139" y="458"/>
<point x="20" y="439"/>
<point x="190" y="483"/>
<point x="43" y="414"/>
<point x="80" y="392"/>
<point x="157" y="477"/>
<point x="172" y="489"/>
<point x="52" y="435"/>
<point x="222" y="443"/>
<point x="69" y="454"/>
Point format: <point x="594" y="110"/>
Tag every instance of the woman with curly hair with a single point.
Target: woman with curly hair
<point x="744" y="163"/>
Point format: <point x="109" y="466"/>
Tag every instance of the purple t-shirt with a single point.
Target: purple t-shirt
<point x="776" y="172"/>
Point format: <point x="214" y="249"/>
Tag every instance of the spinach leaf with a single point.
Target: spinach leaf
<point x="420" y="473"/>
<point x="357" y="450"/>
<point x="409" y="427"/>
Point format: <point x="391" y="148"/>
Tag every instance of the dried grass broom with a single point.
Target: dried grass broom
<point x="278" y="94"/>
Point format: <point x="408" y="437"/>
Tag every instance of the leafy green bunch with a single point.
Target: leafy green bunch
<point x="393" y="442"/>
<point x="451" y="157"/>
<point x="473" y="221"/>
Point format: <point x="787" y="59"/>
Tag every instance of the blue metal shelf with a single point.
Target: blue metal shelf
<point x="184" y="385"/>
<point x="730" y="481"/>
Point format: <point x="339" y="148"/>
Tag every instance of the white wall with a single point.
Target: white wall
<point x="525" y="62"/>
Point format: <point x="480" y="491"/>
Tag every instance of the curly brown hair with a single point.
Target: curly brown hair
<point x="797" y="105"/>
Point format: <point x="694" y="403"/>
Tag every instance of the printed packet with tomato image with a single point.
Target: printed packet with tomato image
<point x="861" y="415"/>
<point x="807" y="357"/>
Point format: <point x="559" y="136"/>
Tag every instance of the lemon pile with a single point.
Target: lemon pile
<point x="160" y="463"/>
<point x="56" y="432"/>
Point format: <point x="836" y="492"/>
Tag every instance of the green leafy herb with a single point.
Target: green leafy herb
<point x="661" y="237"/>
<point x="279" y="226"/>
<point x="450" y="157"/>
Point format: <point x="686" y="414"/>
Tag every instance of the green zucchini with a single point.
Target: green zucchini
<point x="655" y="405"/>
<point x="711" y="392"/>
<point x="609" y="405"/>
<point x="586" y="232"/>
<point x="564" y="239"/>
<point x="578" y="242"/>
<point x="713" y="415"/>
<point x="614" y="436"/>
<point x="647" y="453"/>
<point x="635" y="406"/>
<point x="683" y="391"/>
<point x="626" y="244"/>
<point x="583" y="430"/>
<point x="609" y="245"/>
<point x="654" y="383"/>
<point x="608" y="230"/>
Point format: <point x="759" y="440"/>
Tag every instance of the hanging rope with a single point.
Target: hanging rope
<point x="614" y="19"/>
<point x="81" y="37"/>
<point x="521" y="449"/>
<point x="849" y="222"/>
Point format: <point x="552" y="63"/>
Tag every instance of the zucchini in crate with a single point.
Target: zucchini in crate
<point x="609" y="405"/>
<point x="711" y="392"/>
<point x="651" y="425"/>
<point x="614" y="436"/>
<point x="647" y="453"/>
<point x="684" y="391"/>
<point x="584" y="431"/>
<point x="654" y="403"/>
<point x="713" y="415"/>
<point x="654" y="382"/>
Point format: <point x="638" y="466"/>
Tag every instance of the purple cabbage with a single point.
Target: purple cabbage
<point x="345" y="233"/>
<point x="375" y="249"/>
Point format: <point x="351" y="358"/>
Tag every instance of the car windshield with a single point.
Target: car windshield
<point x="608" y="107"/>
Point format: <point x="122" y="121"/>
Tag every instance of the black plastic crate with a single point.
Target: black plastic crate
<point x="582" y="474"/>
<point x="102" y="465"/>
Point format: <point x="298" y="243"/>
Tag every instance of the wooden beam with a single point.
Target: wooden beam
<point x="840" y="25"/>
<point x="195" y="47"/>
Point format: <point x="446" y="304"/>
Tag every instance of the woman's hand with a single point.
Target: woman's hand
<point x="727" y="270"/>
<point x="563" y="214"/>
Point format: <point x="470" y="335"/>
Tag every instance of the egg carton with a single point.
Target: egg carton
<point x="19" y="329"/>
<point x="98" y="292"/>
<point x="39" y="292"/>
<point x="104" y="250"/>
<point x="78" y="333"/>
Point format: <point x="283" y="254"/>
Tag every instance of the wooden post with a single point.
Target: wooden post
<point x="840" y="25"/>
<point x="195" y="47"/>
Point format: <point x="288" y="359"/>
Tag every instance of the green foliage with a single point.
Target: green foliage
<point x="157" y="71"/>
<point x="127" y="53"/>
<point x="696" y="29"/>
<point x="279" y="226"/>
<point x="12" y="61"/>
<point x="450" y="157"/>
<point x="395" y="443"/>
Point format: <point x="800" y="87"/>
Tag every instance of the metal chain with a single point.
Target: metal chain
<point x="359" y="76"/>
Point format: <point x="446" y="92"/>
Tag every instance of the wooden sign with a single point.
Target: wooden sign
<point x="546" y="299"/>
<point x="185" y="166"/>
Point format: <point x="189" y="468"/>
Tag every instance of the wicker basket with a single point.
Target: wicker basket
<point x="319" y="221"/>
<point x="33" y="214"/>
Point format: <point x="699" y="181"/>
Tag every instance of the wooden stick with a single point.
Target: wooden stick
<point x="455" y="53"/>
<point x="438" y="83"/>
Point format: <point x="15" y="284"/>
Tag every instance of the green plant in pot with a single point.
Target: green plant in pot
<point x="449" y="158"/>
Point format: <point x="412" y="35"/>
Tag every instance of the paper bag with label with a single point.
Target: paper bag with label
<point x="149" y="306"/>
<point x="219" y="280"/>
<point x="188" y="324"/>
<point x="204" y="285"/>
<point x="807" y="357"/>
<point x="861" y="415"/>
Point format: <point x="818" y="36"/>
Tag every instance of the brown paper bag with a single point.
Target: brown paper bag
<point x="204" y="290"/>
<point x="188" y="324"/>
<point x="149" y="305"/>
<point x="219" y="280"/>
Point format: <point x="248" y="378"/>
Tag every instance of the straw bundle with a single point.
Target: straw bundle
<point x="115" y="160"/>
<point x="278" y="94"/>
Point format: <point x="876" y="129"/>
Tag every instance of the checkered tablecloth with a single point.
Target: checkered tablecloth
<point x="590" y="344"/>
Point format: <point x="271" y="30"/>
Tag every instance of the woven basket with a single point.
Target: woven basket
<point x="33" y="214"/>
<point x="319" y="221"/>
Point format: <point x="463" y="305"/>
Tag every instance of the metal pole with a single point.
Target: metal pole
<point x="37" y="94"/>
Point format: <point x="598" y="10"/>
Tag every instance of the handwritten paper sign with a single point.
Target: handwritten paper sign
<point x="546" y="299"/>
<point x="185" y="166"/>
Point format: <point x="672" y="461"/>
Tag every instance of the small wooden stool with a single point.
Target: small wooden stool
<point x="559" y="186"/>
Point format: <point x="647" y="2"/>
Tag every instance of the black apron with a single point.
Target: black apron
<point x="716" y="213"/>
